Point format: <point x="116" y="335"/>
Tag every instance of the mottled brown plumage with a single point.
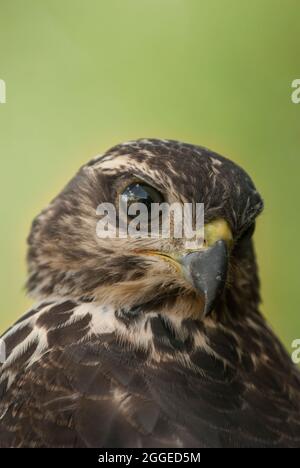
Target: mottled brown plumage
<point x="117" y="352"/>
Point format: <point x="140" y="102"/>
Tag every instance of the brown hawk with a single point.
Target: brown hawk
<point x="140" y="342"/>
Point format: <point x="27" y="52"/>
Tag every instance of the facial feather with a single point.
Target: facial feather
<point x="66" y="257"/>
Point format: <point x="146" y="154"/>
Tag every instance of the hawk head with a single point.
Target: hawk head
<point x="66" y="257"/>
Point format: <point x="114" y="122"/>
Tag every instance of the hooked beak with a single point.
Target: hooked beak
<point x="206" y="270"/>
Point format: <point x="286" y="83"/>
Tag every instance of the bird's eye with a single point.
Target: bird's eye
<point x="248" y="233"/>
<point x="141" y="193"/>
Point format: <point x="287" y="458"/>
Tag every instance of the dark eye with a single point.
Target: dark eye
<point x="141" y="193"/>
<point x="248" y="233"/>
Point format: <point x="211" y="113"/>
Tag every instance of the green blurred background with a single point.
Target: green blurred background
<point x="84" y="75"/>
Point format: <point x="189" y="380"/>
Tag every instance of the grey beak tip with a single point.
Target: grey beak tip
<point x="208" y="269"/>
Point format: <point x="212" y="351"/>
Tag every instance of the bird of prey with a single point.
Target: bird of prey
<point x="141" y="342"/>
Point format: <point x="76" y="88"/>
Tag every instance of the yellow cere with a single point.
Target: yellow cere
<point x="217" y="230"/>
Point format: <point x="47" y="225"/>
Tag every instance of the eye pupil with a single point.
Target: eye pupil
<point x="141" y="193"/>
